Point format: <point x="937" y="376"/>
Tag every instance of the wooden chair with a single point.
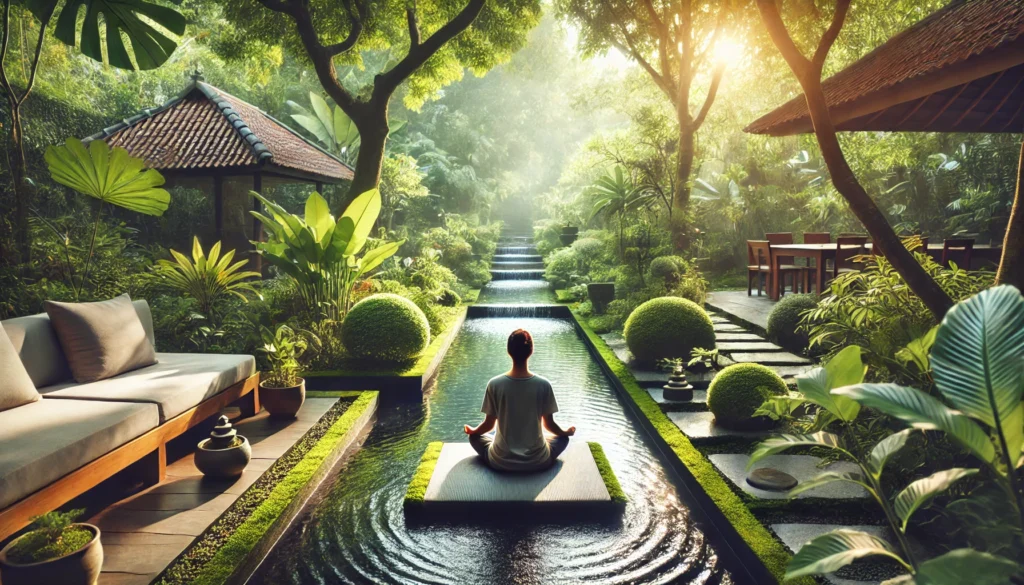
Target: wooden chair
<point x="813" y="238"/>
<point x="780" y="238"/>
<point x="758" y="253"/>
<point x="847" y="247"/>
<point x="961" y="247"/>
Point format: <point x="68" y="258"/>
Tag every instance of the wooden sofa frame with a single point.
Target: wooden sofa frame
<point x="149" y="450"/>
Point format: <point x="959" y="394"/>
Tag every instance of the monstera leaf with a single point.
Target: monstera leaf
<point x="110" y="175"/>
<point x="131" y="17"/>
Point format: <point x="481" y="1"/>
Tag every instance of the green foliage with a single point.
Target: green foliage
<point x="283" y="347"/>
<point x="784" y="321"/>
<point x="668" y="269"/>
<point x="323" y="255"/>
<point x="53" y="536"/>
<point x="874" y="309"/>
<point x="131" y="18"/>
<point x="449" y="298"/>
<point x="385" y="328"/>
<point x="976" y="362"/>
<point x="668" y="327"/>
<point x="737" y="391"/>
<point x="207" y="278"/>
<point x="333" y="128"/>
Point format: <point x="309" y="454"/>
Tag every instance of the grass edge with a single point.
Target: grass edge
<point x="604" y="467"/>
<point x="417" y="489"/>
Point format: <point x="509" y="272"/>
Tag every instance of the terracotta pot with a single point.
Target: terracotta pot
<point x="81" y="567"/>
<point x="283" y="402"/>
<point x="229" y="462"/>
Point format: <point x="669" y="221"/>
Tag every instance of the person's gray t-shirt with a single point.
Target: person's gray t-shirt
<point x="518" y="404"/>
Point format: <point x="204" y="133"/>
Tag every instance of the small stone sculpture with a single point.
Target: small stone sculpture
<point x="771" y="479"/>
<point x="678" y="388"/>
<point x="225" y="453"/>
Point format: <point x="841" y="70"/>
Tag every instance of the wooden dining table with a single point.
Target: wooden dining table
<point x="823" y="252"/>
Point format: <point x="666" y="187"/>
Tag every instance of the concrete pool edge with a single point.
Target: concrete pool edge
<point x="760" y="554"/>
<point x="242" y="552"/>
<point x="407" y="384"/>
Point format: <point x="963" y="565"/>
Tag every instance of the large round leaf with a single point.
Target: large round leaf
<point x="835" y="550"/>
<point x="112" y="176"/>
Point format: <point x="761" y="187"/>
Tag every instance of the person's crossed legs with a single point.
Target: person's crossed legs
<point x="482" y="443"/>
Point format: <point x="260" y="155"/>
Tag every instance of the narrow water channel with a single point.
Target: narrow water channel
<point x="358" y="533"/>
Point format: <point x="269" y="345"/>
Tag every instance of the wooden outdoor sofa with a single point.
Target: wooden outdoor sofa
<point x="78" y="435"/>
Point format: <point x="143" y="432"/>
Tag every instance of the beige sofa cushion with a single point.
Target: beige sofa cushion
<point x="101" y="339"/>
<point x="16" y="387"/>
<point x="40" y="351"/>
<point x="48" y="439"/>
<point x="176" y="383"/>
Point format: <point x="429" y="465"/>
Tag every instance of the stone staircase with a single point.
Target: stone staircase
<point x="516" y="258"/>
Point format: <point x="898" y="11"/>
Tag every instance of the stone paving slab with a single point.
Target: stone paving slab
<point x="802" y="467"/>
<point x="738" y="336"/>
<point x="460" y="476"/>
<point x="143" y="533"/>
<point x="751" y="309"/>
<point x="731" y="346"/>
<point x="724" y="327"/>
<point x="769" y="358"/>
<point x="795" y="536"/>
<point x="701" y="427"/>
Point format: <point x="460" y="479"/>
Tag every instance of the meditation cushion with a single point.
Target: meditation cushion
<point x="16" y="387"/>
<point x="101" y="340"/>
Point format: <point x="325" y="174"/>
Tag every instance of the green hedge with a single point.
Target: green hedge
<point x="772" y="553"/>
<point x="668" y="327"/>
<point x="385" y="328"/>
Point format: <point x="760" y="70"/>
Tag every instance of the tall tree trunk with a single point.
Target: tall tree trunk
<point x="373" y="137"/>
<point x="1011" y="265"/>
<point x="681" y="198"/>
<point x="865" y="208"/>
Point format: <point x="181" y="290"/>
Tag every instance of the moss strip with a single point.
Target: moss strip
<point x="334" y="393"/>
<point x="421" y="478"/>
<point x="607" y="474"/>
<point x="772" y="553"/>
<point x="214" y="556"/>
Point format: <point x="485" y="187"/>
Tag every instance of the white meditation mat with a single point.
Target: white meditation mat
<point x="461" y="476"/>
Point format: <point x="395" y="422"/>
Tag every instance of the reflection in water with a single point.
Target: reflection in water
<point x="358" y="532"/>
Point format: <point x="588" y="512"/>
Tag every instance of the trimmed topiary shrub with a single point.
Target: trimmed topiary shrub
<point x="385" y="328"/>
<point x="668" y="327"/>
<point x="668" y="268"/>
<point x="738" y="390"/>
<point x="449" y="298"/>
<point x="784" y="319"/>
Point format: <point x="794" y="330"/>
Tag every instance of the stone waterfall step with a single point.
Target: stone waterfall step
<point x="517" y="258"/>
<point x="507" y="265"/>
<point x="517" y="274"/>
<point x="516" y="249"/>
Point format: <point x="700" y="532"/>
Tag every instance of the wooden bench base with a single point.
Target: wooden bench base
<point x="148" y="451"/>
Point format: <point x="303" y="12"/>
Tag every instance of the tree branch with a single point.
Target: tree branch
<point x="3" y="52"/>
<point x="388" y="82"/>
<point x="829" y="38"/>
<point x="664" y="38"/>
<point x="780" y="36"/>
<point x="414" y="29"/>
<point x="716" y="79"/>
<point x="35" y="59"/>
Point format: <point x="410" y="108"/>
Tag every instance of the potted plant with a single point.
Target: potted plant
<point x="282" y="390"/>
<point x="600" y="294"/>
<point x="56" y="550"/>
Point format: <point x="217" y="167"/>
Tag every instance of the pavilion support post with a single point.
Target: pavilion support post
<point x="1011" y="265"/>
<point x="257" y="225"/>
<point x="218" y="206"/>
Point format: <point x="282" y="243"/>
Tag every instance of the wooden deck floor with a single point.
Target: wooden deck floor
<point x="142" y="534"/>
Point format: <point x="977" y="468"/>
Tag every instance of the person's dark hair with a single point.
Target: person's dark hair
<point x="520" y="345"/>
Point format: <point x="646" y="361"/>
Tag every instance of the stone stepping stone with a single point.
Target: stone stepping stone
<point x="700" y="427"/>
<point x="769" y="358"/>
<point x="718" y="319"/>
<point x="730" y="336"/>
<point x="731" y="346"/>
<point x="699" y="402"/>
<point x="802" y="467"/>
<point x="794" y="536"/>
<point x="727" y="327"/>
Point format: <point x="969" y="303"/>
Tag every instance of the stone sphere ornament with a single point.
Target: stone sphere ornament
<point x="225" y="453"/>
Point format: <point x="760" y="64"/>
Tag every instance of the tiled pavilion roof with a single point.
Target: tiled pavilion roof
<point x="206" y="130"/>
<point x="961" y="69"/>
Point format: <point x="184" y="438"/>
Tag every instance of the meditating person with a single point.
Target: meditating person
<point x="522" y="405"/>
